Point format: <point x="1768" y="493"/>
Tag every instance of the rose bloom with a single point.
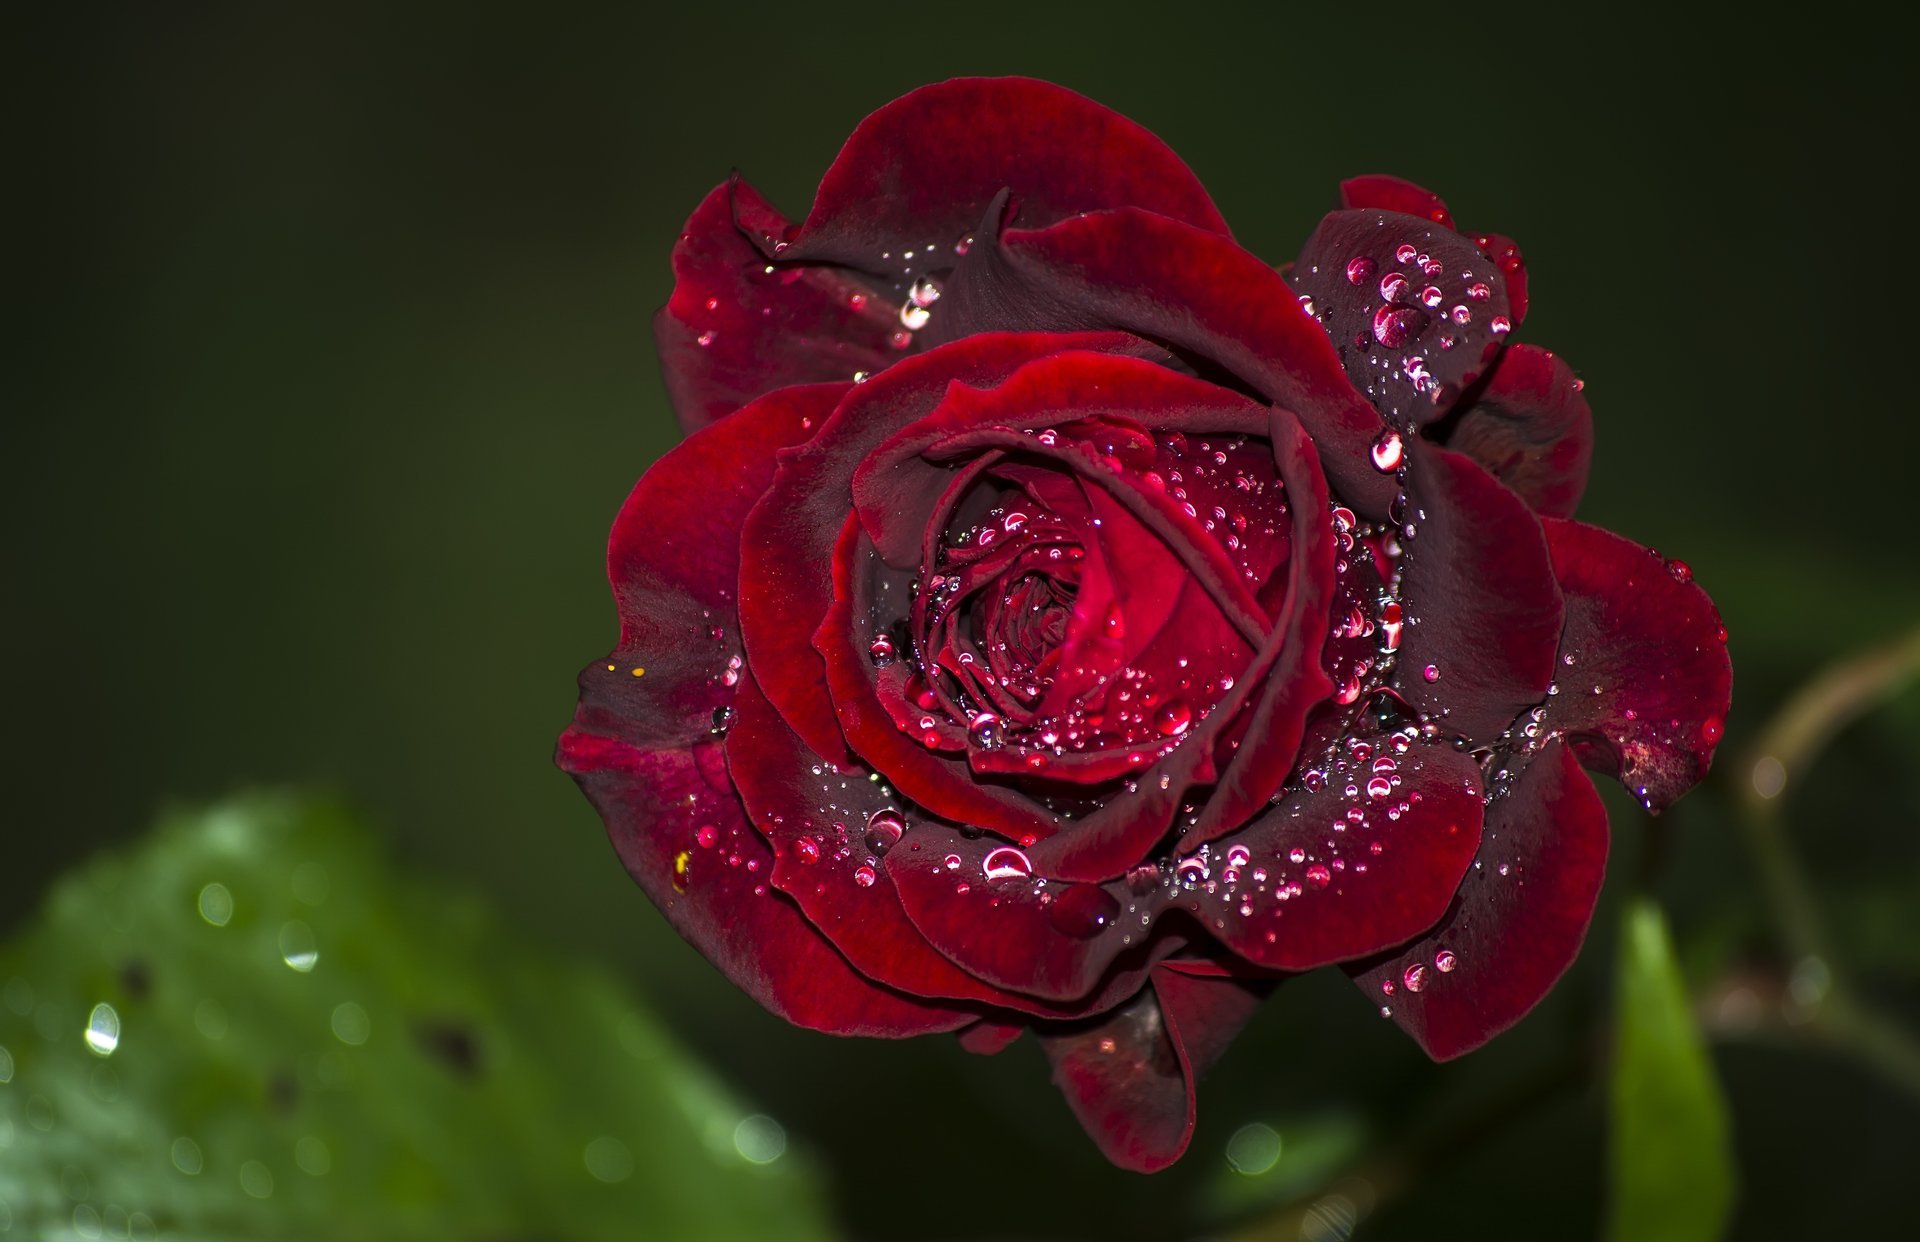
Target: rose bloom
<point x="1058" y="619"/>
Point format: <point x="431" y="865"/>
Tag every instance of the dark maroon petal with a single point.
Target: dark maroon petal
<point x="1197" y="291"/>
<point x="1517" y="922"/>
<point x="1531" y="429"/>
<point x="987" y="1038"/>
<point x="1645" y="681"/>
<point x="1393" y="194"/>
<point x="918" y="174"/>
<point x="830" y="830"/>
<point x="1485" y="611"/>
<point x="978" y="901"/>
<point x="1415" y="312"/>
<point x="1329" y="875"/>
<point x="1386" y="193"/>
<point x="735" y="329"/>
<point x="643" y="744"/>
<point x="1130" y="1077"/>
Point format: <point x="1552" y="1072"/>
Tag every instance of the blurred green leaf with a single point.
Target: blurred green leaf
<point x="248" y="1028"/>
<point x="1265" y="1165"/>
<point x="1672" y="1165"/>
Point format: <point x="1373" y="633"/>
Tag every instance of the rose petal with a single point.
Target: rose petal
<point x="1387" y="193"/>
<point x="1393" y="194"/>
<point x="642" y="744"/>
<point x="917" y="174"/>
<point x="733" y="330"/>
<point x="829" y="830"/>
<point x="1197" y="291"/>
<point x="1531" y="429"/>
<point x="1517" y="922"/>
<point x="1414" y="311"/>
<point x="987" y="1038"/>
<point x="1485" y="609"/>
<point x="1130" y="1077"/>
<point x="1306" y="885"/>
<point x="1645" y="682"/>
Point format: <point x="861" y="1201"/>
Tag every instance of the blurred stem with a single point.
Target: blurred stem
<point x="1784" y="753"/>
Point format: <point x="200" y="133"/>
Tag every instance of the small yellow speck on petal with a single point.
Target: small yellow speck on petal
<point x="639" y="672"/>
<point x="681" y="861"/>
<point x="610" y="668"/>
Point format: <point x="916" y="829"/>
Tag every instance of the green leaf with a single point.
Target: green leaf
<point x="248" y="1028"/>
<point x="1672" y="1165"/>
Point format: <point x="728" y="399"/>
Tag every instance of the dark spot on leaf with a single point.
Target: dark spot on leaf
<point x="283" y="1091"/>
<point x="136" y="979"/>
<point x="452" y="1044"/>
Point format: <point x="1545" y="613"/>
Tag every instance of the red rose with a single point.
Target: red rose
<point x="1057" y="618"/>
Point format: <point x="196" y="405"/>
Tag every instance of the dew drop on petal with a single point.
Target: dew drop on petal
<point x="1415" y="977"/>
<point x="1388" y="452"/>
<point x="1444" y="961"/>
<point x="1360" y="270"/>
<point x="1083" y="911"/>
<point x="1007" y="863"/>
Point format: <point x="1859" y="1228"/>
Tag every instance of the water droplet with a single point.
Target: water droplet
<point x="1712" y="729"/>
<point x="1431" y="672"/>
<point x="1431" y="296"/>
<point x="1681" y="571"/>
<point x="1172" y="718"/>
<point x="1393" y="326"/>
<point x="707" y="338"/>
<point x="297" y="948"/>
<point x="1379" y="787"/>
<point x="1083" y="911"/>
<point x="216" y="904"/>
<point x="1253" y="1150"/>
<point x="103" y="1030"/>
<point x="1007" y="863"/>
<point x="256" y="1179"/>
<point x="1388" y="452"/>
<point x="1394" y="286"/>
<point x="186" y="1157"/>
<point x="985" y="732"/>
<point x="1360" y="270"/>
<point x="884" y="829"/>
<point x="1319" y="876"/>
<point x="863" y="876"/>
<point x="1500" y="325"/>
<point x="880" y="651"/>
<point x="914" y="318"/>
<point x="1479" y="292"/>
<point x="1444" y="961"/>
<point x="807" y="850"/>
<point x="351" y="1024"/>
<point x="759" y="1139"/>
<point x="1296" y="854"/>
<point x="707" y="835"/>
<point x="1405" y="253"/>
<point x="1415" y="977"/>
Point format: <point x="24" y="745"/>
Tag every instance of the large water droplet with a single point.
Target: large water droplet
<point x="1415" y="977"/>
<point x="984" y="731"/>
<point x="297" y="947"/>
<point x="216" y="904"/>
<point x="1444" y="961"/>
<point x="1388" y="452"/>
<point x="1394" y="287"/>
<point x="1319" y="876"/>
<point x="1360" y="270"/>
<point x="880" y="651"/>
<point x="884" y="828"/>
<point x="1172" y="718"/>
<point x="1007" y="863"/>
<point x="103" y="1030"/>
<point x="1394" y="326"/>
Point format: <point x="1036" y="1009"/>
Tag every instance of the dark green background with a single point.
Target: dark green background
<point x="329" y="365"/>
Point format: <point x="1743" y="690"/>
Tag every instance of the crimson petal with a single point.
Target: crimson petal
<point x="1646" y="682"/>
<point x="1328" y="875"/>
<point x="1531" y="429"/>
<point x="642" y="743"/>
<point x="1486" y="610"/>
<point x="1394" y="194"/>
<point x="829" y="830"/>
<point x="1518" y="921"/>
<point x="1197" y="291"/>
<point x="736" y="329"/>
<point x="919" y="173"/>
<point x="1415" y="312"/>
<point x="1129" y="1078"/>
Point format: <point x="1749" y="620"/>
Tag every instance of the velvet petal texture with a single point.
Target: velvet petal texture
<point x="1394" y="194"/>
<point x="1485" y="610"/>
<point x="1645" y="681"/>
<point x="643" y="745"/>
<point x="1130" y="1076"/>
<point x="1200" y="293"/>
<point x="917" y="175"/>
<point x="1415" y="312"/>
<point x="1517" y="922"/>
<point x="736" y="327"/>
<point x="1531" y="428"/>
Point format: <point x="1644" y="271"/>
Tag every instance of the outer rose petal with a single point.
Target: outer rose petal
<point x="733" y="331"/>
<point x="1393" y="194"/>
<point x="919" y="173"/>
<point x="1415" y="312"/>
<point x="642" y="745"/>
<point x="1197" y="291"/>
<point x="797" y="800"/>
<point x="1518" y="921"/>
<point x="1531" y="429"/>
<point x="1645" y="682"/>
<point x="1487" y="612"/>
<point x="1130" y="1077"/>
